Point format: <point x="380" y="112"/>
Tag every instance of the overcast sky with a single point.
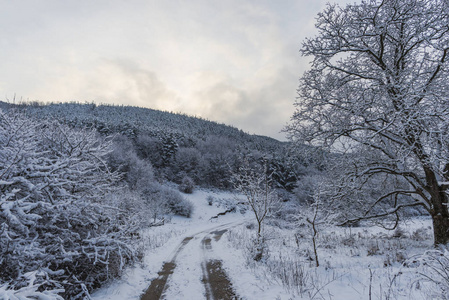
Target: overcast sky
<point x="231" y="61"/>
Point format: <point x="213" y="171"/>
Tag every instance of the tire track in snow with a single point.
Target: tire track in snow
<point x="157" y="287"/>
<point x="215" y="279"/>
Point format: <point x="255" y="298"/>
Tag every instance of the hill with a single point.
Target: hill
<point x="132" y="121"/>
<point x="177" y="145"/>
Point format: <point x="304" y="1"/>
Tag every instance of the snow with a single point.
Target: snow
<point x="346" y="271"/>
<point x="185" y="283"/>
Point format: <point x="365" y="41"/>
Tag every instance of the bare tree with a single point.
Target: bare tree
<point x="317" y="209"/>
<point x="318" y="213"/>
<point x="254" y="182"/>
<point x="379" y="81"/>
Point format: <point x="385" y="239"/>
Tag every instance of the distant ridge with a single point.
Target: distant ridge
<point x="131" y="120"/>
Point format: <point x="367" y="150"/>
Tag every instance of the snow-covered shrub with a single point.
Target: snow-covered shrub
<point x="178" y="204"/>
<point x="289" y="270"/>
<point x="305" y="188"/>
<point x="373" y="248"/>
<point x="54" y="183"/>
<point x="137" y="172"/>
<point x="210" y="200"/>
<point x="30" y="290"/>
<point x="187" y="185"/>
<point x="420" y="234"/>
<point x="288" y="212"/>
<point x="150" y="148"/>
<point x="258" y="249"/>
<point x="399" y="233"/>
<point x="230" y="204"/>
<point x="155" y="206"/>
<point x="435" y="270"/>
<point x="186" y="163"/>
<point x="165" y="198"/>
<point x="292" y="274"/>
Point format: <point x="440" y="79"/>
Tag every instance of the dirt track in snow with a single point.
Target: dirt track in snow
<point x="215" y="280"/>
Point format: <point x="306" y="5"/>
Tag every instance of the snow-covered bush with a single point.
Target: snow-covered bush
<point x="54" y="184"/>
<point x="150" y="148"/>
<point x="435" y="270"/>
<point x="186" y="163"/>
<point x="305" y="188"/>
<point x="155" y="205"/>
<point x="31" y="289"/>
<point x="187" y="185"/>
<point x="177" y="203"/>
<point x="166" y="199"/>
<point x="290" y="271"/>
<point x="210" y="200"/>
<point x="137" y="172"/>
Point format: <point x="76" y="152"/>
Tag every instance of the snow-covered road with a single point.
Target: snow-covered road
<point x="186" y="265"/>
<point x="215" y="279"/>
<point x="186" y="275"/>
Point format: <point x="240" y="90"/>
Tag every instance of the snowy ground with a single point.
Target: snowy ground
<point x="355" y="262"/>
<point x="162" y="243"/>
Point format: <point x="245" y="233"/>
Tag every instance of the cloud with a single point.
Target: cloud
<point x="262" y="107"/>
<point x="233" y="61"/>
<point x="122" y="81"/>
<point x="110" y="81"/>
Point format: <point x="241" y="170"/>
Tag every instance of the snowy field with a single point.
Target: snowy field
<point x="355" y="263"/>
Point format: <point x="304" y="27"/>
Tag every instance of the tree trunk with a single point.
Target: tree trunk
<point x="439" y="211"/>
<point x="259" y="228"/>
<point x="440" y="218"/>
<point x="440" y="228"/>
<point x="315" y="232"/>
<point x="259" y="244"/>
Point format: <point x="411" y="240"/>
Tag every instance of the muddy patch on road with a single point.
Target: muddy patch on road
<point x="206" y="243"/>
<point x="218" y="234"/>
<point x="216" y="282"/>
<point x="158" y="285"/>
<point x="218" y="285"/>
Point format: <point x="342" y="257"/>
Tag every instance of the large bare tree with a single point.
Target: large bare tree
<point x="379" y="79"/>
